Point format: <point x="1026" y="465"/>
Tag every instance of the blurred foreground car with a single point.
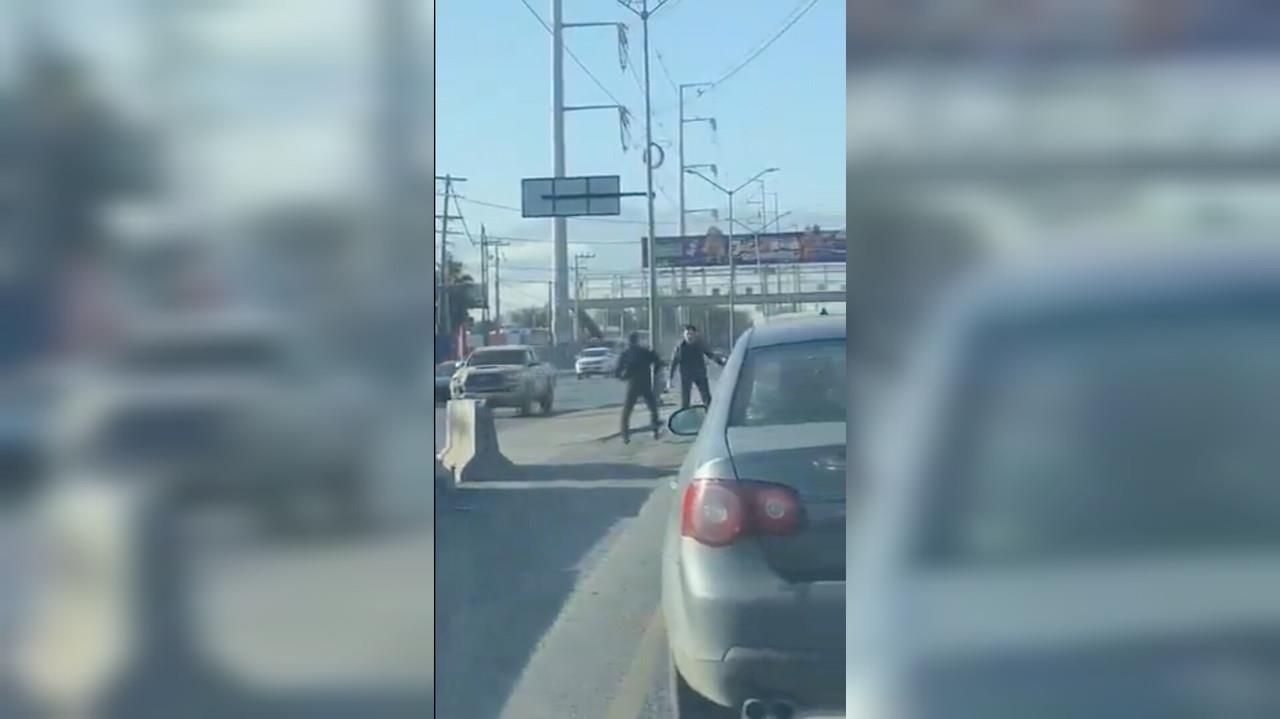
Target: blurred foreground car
<point x="507" y="376"/>
<point x="753" y="566"/>
<point x="1076" y="513"/>
<point x="230" y="406"/>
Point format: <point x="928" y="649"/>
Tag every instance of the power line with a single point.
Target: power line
<point x="569" y="52"/>
<point x="738" y="68"/>
<point x="510" y="208"/>
<point x="666" y="72"/>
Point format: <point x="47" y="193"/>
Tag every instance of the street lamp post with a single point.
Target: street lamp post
<point x="757" y="231"/>
<point x="732" y="259"/>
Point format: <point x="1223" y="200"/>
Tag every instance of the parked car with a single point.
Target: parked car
<point x="506" y="376"/>
<point x="443" y="377"/>
<point x="596" y="361"/>
<point x="1074" y="512"/>
<point x="753" y="563"/>
<point x="228" y="405"/>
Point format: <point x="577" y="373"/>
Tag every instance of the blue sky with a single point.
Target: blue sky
<point x="493" y="123"/>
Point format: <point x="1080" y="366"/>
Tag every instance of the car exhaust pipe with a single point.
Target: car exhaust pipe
<point x="768" y="709"/>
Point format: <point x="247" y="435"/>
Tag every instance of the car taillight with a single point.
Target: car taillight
<point x="718" y="512"/>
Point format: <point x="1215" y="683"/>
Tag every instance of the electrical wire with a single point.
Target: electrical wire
<point x="608" y="220"/>
<point x="570" y="53"/>
<point x="797" y="14"/>
<point x="667" y="72"/>
<point x="574" y="242"/>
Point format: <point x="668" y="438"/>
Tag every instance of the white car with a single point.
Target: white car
<point x="596" y="361"/>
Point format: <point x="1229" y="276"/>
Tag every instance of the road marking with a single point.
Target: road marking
<point x="562" y="484"/>
<point x="643" y="670"/>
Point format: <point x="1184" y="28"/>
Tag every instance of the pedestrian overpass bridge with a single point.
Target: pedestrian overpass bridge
<point x="715" y="299"/>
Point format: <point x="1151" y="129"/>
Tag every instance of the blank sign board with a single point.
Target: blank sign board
<point x="571" y="196"/>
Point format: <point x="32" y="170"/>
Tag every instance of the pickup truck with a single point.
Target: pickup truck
<point x="506" y="376"/>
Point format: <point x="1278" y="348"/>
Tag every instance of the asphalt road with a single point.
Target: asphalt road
<point x="572" y="395"/>
<point x="547" y="595"/>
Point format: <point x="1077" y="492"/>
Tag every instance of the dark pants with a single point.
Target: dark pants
<point x="686" y="389"/>
<point x="635" y="392"/>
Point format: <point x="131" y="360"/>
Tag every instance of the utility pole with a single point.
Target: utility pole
<point x="497" y="278"/>
<point x="577" y="291"/>
<point x="684" y="277"/>
<point x="559" y="228"/>
<point x="559" y="225"/>
<point x="644" y="14"/>
<point x="445" y="320"/>
<point x="484" y="272"/>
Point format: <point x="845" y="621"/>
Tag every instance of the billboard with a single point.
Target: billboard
<point x="775" y="248"/>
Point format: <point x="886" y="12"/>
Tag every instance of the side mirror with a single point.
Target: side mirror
<point x="687" y="422"/>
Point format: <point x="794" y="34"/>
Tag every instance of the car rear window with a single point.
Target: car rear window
<point x="791" y="384"/>
<point x="1144" y="435"/>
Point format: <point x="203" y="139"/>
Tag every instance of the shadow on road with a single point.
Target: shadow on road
<point x="503" y="572"/>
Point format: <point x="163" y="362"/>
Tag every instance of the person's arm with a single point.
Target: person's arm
<point x="675" y="359"/>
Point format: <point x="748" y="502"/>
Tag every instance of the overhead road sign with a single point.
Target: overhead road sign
<point x="587" y="195"/>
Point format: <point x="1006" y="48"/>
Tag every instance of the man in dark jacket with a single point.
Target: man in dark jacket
<point x="690" y="358"/>
<point x="637" y="366"/>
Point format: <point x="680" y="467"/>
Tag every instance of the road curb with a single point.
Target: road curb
<point x="629" y="570"/>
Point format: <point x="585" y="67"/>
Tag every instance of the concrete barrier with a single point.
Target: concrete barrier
<point x="471" y="450"/>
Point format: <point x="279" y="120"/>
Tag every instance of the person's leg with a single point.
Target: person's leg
<point x="652" y="400"/>
<point x="704" y="390"/>
<point x="686" y="390"/>
<point x="628" y="404"/>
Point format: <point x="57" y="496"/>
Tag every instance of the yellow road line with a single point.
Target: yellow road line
<point x="644" y="668"/>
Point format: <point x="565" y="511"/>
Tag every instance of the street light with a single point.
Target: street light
<point x="732" y="266"/>
<point x="757" y="231"/>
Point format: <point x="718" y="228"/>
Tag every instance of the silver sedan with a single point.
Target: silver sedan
<point x="753" y="567"/>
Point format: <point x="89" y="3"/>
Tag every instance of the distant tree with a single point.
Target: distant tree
<point x="464" y="296"/>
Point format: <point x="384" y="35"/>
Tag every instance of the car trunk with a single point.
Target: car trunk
<point x="810" y="459"/>
<point x="1160" y="637"/>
